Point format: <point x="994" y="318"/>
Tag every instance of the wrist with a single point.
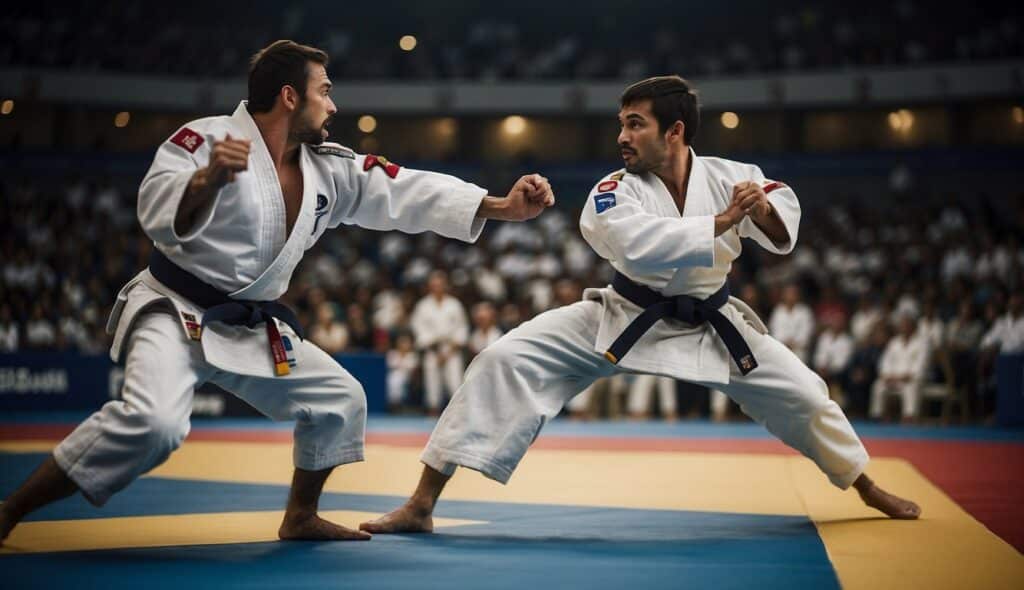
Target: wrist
<point x="493" y="208"/>
<point x="763" y="213"/>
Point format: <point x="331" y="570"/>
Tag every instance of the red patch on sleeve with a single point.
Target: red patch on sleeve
<point x="607" y="186"/>
<point x="773" y="185"/>
<point x="390" y="168"/>
<point x="188" y="139"/>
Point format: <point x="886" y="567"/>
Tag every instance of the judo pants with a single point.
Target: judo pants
<point x="128" y="437"/>
<point x="909" y="393"/>
<point x="524" y="379"/>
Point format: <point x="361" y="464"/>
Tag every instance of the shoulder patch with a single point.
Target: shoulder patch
<point x="390" y="168"/>
<point x="607" y="186"/>
<point x="188" y="140"/>
<point x="618" y="175"/>
<point x="604" y="202"/>
<point x="334" y="150"/>
<point x="773" y="185"/>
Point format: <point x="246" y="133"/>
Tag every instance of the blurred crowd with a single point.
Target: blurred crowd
<point x="896" y="307"/>
<point x="612" y="41"/>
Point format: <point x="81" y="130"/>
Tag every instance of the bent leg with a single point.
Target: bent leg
<point x="328" y="406"/>
<point x="513" y="387"/>
<point x="131" y="436"/>
<point x="792" y="402"/>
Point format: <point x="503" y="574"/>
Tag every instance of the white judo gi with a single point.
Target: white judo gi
<point x="239" y="245"/>
<point x="520" y="382"/>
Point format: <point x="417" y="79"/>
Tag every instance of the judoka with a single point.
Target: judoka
<point x="231" y="203"/>
<point x="670" y="224"/>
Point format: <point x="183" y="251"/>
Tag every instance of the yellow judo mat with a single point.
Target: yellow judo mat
<point x="946" y="548"/>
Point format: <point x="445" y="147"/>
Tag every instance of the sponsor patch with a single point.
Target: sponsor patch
<point x="192" y="326"/>
<point x="334" y="150"/>
<point x="390" y="168"/>
<point x="607" y="186"/>
<point x="188" y="140"/>
<point x="618" y="175"/>
<point x="289" y="351"/>
<point x="604" y="202"/>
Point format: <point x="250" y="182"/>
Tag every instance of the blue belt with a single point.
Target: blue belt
<point x="681" y="307"/>
<point x="219" y="306"/>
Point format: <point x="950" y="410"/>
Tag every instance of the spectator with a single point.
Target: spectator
<point x="833" y="353"/>
<point x="901" y="370"/>
<point x="792" y="322"/>
<point x="8" y="330"/>
<point x="328" y="333"/>
<point x="439" y="325"/>
<point x="485" y="327"/>
<point x="403" y="362"/>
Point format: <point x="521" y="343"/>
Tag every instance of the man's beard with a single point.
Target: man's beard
<point x="303" y="132"/>
<point x="638" y="165"/>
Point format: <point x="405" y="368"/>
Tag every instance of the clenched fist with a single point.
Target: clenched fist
<point x="227" y="158"/>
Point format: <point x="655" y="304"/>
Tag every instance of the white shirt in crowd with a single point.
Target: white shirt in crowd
<point x="863" y="321"/>
<point x="436" y="321"/>
<point x="1006" y="335"/>
<point x="904" y="357"/>
<point x="833" y="351"/>
<point x="793" y="327"/>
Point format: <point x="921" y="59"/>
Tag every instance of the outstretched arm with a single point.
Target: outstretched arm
<point x="528" y="197"/>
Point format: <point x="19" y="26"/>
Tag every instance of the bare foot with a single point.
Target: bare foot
<point x="314" y="528"/>
<point x="892" y="506"/>
<point x="403" y="520"/>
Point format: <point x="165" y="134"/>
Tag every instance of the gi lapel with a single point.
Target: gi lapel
<point x="273" y="282"/>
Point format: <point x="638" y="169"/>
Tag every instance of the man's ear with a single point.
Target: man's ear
<point x="676" y="130"/>
<point x="289" y="97"/>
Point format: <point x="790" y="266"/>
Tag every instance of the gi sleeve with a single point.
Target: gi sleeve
<point x="164" y="186"/>
<point x="377" y="194"/>
<point x="786" y="205"/>
<point x="617" y="227"/>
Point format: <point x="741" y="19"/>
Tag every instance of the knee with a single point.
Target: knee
<point x="815" y="396"/>
<point x="346" y="400"/>
<point x="163" y="430"/>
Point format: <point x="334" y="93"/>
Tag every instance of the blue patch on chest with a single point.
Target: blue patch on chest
<point x="604" y="202"/>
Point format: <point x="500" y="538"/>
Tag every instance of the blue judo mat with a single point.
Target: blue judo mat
<point x="519" y="546"/>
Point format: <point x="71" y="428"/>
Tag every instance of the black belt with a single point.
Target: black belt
<point x="219" y="306"/>
<point x="681" y="307"/>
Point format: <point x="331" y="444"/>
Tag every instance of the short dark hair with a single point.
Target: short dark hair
<point x="282" y="63"/>
<point x="672" y="99"/>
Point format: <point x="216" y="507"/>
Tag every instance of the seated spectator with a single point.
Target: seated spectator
<point x="963" y="337"/>
<point x="40" y="332"/>
<point x="901" y="370"/>
<point x="833" y="353"/>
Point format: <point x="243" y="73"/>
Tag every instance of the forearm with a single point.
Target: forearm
<point x="198" y="193"/>
<point x="494" y="208"/>
<point x="772" y="226"/>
